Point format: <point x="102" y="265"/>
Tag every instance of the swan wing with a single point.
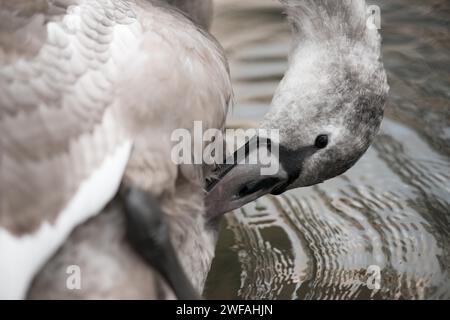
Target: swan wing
<point x="63" y="149"/>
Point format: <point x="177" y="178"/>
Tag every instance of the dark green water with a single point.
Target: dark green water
<point x="392" y="210"/>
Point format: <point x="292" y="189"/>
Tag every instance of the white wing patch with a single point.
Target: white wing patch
<point x="21" y="257"/>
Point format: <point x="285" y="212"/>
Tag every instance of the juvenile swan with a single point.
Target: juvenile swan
<point x="90" y="93"/>
<point x="328" y="107"/>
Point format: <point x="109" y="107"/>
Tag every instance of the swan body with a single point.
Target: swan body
<point x="90" y="92"/>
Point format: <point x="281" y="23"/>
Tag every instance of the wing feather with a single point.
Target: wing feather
<point x="95" y="74"/>
<point x="53" y="104"/>
<point x="63" y="148"/>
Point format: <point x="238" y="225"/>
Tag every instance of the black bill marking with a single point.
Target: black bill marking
<point x="237" y="157"/>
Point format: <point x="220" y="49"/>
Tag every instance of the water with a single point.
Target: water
<point x="390" y="213"/>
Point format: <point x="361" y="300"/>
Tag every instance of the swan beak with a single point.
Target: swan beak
<point x="244" y="180"/>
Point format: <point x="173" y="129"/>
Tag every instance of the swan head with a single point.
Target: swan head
<point x="327" y="110"/>
<point x="328" y="117"/>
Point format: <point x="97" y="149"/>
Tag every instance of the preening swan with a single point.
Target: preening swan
<point x="90" y="92"/>
<point x="327" y="108"/>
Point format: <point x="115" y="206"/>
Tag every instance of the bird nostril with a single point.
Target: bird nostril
<point x="255" y="186"/>
<point x="243" y="192"/>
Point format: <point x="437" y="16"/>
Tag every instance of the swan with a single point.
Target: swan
<point x="90" y="92"/>
<point x="327" y="108"/>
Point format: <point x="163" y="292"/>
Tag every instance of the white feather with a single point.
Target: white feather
<point x="21" y="257"/>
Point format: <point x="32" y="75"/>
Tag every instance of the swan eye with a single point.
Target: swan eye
<point x="321" y="141"/>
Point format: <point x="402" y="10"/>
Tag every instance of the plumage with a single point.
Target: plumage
<point x="80" y="80"/>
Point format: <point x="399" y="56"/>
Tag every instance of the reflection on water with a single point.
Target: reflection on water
<point x="392" y="210"/>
